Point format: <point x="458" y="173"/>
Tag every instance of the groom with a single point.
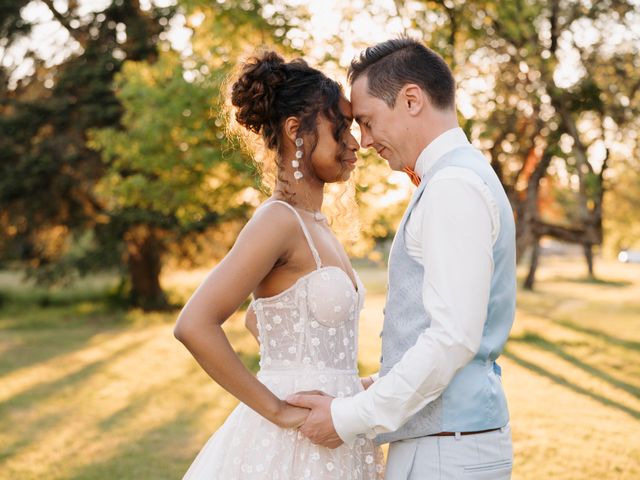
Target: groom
<point x="450" y="305"/>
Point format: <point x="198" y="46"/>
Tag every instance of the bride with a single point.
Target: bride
<point x="307" y="297"/>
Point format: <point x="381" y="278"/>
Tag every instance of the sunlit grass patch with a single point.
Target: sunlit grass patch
<point x="93" y="392"/>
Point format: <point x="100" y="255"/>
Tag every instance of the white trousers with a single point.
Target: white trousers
<point x="483" y="456"/>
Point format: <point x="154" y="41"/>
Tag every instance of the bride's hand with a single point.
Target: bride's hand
<point x="290" y="417"/>
<point x="366" y="382"/>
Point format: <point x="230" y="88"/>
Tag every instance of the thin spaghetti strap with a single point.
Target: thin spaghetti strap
<point x="307" y="235"/>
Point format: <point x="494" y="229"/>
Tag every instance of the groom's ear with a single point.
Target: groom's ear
<point x="290" y="128"/>
<point x="413" y="98"/>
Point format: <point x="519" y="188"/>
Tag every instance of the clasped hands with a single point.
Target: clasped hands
<point x="318" y="425"/>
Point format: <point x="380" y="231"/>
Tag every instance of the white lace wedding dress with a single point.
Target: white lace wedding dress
<point x="308" y="341"/>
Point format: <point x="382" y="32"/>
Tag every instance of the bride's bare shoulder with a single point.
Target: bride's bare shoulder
<point x="272" y="219"/>
<point x="275" y="214"/>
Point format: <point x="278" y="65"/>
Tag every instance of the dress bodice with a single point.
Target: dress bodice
<point x="312" y="325"/>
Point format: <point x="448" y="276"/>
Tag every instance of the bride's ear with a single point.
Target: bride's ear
<point x="290" y="128"/>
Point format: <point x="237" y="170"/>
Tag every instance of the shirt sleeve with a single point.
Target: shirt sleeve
<point x="457" y="252"/>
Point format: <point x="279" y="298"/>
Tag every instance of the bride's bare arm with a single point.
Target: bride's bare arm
<point x="265" y="239"/>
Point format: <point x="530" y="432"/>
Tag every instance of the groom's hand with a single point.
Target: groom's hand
<point x="319" y="426"/>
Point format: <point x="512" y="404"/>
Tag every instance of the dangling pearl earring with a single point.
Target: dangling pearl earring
<point x="297" y="174"/>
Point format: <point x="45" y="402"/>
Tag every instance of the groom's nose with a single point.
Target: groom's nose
<point x="366" y="140"/>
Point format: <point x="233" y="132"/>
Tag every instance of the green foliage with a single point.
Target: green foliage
<point x="520" y="50"/>
<point x="622" y="206"/>
<point x="126" y="135"/>
<point x="169" y="157"/>
<point x="125" y="154"/>
<point x="47" y="173"/>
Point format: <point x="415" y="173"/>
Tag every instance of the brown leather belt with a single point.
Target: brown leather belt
<point x="452" y="434"/>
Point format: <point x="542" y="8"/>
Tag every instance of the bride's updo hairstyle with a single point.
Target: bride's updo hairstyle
<point x="269" y="90"/>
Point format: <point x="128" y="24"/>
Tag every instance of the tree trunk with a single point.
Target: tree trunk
<point x="144" y="256"/>
<point x="588" y="255"/>
<point x="527" y="211"/>
<point x="535" y="255"/>
<point x="524" y="236"/>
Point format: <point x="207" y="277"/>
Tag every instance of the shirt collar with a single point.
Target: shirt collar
<point x="439" y="147"/>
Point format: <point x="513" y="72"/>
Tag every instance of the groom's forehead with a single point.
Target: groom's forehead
<point x="360" y="97"/>
<point x="360" y="88"/>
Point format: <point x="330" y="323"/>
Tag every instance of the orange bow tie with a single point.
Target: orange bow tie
<point x="413" y="176"/>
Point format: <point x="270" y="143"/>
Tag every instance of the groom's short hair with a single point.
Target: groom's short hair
<point x="392" y="64"/>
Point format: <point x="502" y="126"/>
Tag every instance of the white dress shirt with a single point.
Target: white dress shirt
<point x="451" y="232"/>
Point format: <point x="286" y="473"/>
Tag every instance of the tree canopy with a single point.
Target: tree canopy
<point x="116" y="154"/>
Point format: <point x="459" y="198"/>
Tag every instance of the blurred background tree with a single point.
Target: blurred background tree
<point x="115" y="153"/>
<point x="622" y="203"/>
<point x="544" y="106"/>
<point x="52" y="218"/>
<point x="159" y="172"/>
<point x="172" y="175"/>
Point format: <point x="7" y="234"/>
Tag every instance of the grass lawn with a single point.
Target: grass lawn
<point x="88" y="391"/>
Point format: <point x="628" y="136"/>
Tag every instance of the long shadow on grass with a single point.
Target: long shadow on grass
<point x="141" y="401"/>
<point x="31" y="398"/>
<point x="157" y="454"/>
<point x="38" y="393"/>
<point x="32" y="348"/>
<point x="541" y="342"/>
<point x="592" y="281"/>
<point x="28" y="433"/>
<point x="35" y="318"/>
<point x="550" y="304"/>
<point x="564" y="382"/>
<point x="629" y="344"/>
<point x="37" y="335"/>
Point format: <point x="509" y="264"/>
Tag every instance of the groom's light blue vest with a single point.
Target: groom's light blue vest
<point x="474" y="400"/>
